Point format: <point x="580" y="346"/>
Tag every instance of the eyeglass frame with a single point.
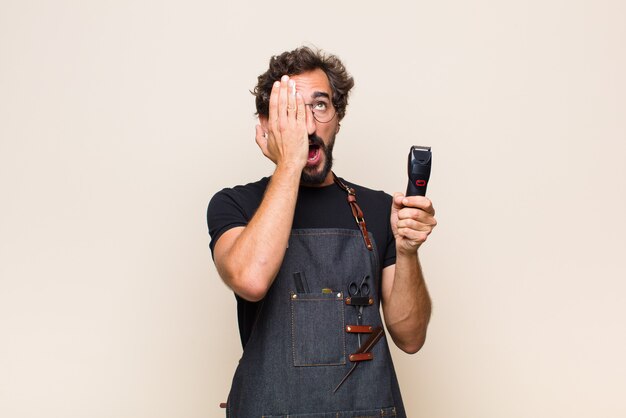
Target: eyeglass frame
<point x="334" y="109"/>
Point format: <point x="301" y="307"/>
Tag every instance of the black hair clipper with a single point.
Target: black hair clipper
<point x="420" y="159"/>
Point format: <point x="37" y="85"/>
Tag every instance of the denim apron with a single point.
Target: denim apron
<point x="299" y="348"/>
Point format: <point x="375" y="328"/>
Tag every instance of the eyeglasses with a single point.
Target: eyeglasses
<point x="323" y="112"/>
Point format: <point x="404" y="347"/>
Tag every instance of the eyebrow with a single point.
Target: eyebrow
<point x="319" y="94"/>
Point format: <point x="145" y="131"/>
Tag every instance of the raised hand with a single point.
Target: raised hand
<point x="412" y="220"/>
<point x="283" y="136"/>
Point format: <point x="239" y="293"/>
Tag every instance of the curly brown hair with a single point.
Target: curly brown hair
<point x="299" y="61"/>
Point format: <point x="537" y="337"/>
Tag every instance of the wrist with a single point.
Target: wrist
<point x="402" y="251"/>
<point x="288" y="169"/>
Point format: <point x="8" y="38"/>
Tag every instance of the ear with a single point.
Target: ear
<point x="263" y="122"/>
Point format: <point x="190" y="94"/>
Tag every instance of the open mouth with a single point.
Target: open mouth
<point x="314" y="154"/>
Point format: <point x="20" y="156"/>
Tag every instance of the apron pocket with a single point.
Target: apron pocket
<point x="317" y="329"/>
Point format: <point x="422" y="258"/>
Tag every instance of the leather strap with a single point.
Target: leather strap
<point x="360" y="329"/>
<point x="359" y="300"/>
<point x="361" y="356"/>
<point x="356" y="211"/>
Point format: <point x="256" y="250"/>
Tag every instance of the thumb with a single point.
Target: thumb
<point x="397" y="202"/>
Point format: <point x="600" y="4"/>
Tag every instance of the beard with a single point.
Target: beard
<point x="315" y="175"/>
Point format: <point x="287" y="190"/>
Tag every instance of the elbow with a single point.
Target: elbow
<point x="250" y="288"/>
<point x="251" y="293"/>
<point x="413" y="346"/>
<point x="408" y="337"/>
<point x="246" y="283"/>
<point x="410" y="345"/>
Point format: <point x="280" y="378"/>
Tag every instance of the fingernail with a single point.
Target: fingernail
<point x="284" y="78"/>
<point x="276" y="83"/>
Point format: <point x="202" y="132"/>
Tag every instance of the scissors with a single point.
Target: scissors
<point x="363" y="289"/>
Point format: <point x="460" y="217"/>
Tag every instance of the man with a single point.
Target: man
<point x="308" y="272"/>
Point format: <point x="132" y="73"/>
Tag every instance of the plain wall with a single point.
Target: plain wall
<point x="120" y="119"/>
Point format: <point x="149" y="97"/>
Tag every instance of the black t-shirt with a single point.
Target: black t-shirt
<point x="316" y="207"/>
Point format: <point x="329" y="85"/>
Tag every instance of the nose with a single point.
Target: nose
<point x="311" y="123"/>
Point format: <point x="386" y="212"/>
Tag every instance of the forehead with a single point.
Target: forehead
<point x="311" y="82"/>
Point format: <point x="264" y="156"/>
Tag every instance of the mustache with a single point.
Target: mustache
<point x="316" y="140"/>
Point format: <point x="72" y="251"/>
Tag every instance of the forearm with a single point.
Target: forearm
<point x="407" y="306"/>
<point x="254" y="258"/>
<point x="248" y="258"/>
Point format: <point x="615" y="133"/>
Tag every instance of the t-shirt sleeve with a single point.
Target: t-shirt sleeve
<point x="389" y="258"/>
<point x="224" y="213"/>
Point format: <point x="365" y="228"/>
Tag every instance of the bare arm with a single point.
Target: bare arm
<point x="248" y="258"/>
<point x="405" y="299"/>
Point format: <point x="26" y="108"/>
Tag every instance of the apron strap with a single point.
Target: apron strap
<point x="356" y="211"/>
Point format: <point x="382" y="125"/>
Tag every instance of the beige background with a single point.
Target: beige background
<point x="120" y="119"/>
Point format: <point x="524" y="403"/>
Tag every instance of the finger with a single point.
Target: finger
<point x="420" y="202"/>
<point x="282" y="97"/>
<point x="415" y="225"/>
<point x="409" y="213"/>
<point x="291" y="100"/>
<point x="413" y="235"/>
<point x="397" y="200"/>
<point x="301" y="112"/>
<point x="273" y="113"/>
<point x="417" y="215"/>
